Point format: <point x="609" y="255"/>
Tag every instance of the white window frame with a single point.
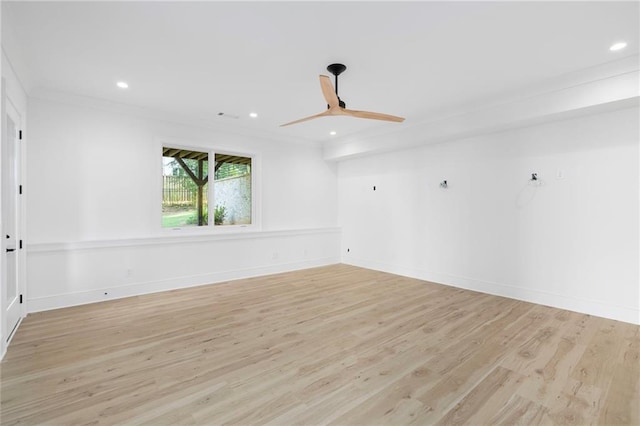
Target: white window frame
<point x="210" y="227"/>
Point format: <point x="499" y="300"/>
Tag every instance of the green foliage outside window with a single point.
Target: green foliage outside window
<point x="228" y="170"/>
<point x="219" y="214"/>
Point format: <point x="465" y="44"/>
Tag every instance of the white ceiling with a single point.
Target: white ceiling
<point x="414" y="59"/>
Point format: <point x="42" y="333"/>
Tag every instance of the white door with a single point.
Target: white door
<point x="10" y="167"/>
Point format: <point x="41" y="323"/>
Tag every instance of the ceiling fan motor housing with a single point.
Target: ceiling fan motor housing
<point x="340" y="103"/>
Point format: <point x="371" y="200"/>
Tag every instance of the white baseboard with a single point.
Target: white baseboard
<point x="4" y="345"/>
<point x="57" y="301"/>
<point x="576" y="304"/>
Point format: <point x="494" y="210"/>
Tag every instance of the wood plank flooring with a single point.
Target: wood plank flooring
<point x="333" y="345"/>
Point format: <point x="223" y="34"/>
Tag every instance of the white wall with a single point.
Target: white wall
<point x="94" y="174"/>
<point x="571" y="242"/>
<point x="94" y="208"/>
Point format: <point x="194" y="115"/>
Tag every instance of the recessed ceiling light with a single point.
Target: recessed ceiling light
<point x="122" y="85"/>
<point x="618" y="46"/>
<point x="253" y="114"/>
<point x="332" y="133"/>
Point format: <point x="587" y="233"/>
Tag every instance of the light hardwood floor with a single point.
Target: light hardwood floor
<point x="337" y="344"/>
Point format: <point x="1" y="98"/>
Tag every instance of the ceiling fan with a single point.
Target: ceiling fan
<point x="335" y="106"/>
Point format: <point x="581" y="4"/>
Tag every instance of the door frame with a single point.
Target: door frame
<point x="6" y="105"/>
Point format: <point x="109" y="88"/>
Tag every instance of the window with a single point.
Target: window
<point x="232" y="190"/>
<point x="186" y="191"/>
<point x="184" y="188"/>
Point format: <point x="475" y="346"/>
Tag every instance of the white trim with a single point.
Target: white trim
<point x="173" y="239"/>
<point x="628" y="314"/>
<point x="98" y="295"/>
<point x="17" y="77"/>
<point x="15" y="329"/>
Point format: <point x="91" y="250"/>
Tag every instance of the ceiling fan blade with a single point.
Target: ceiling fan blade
<point x="328" y="91"/>
<point x="372" y="115"/>
<point x="322" y="114"/>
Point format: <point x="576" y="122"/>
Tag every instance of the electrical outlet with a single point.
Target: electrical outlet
<point x="275" y="255"/>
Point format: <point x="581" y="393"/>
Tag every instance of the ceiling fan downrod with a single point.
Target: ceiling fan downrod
<point x="336" y="70"/>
